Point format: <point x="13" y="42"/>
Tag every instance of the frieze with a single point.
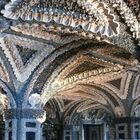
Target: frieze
<point x="96" y="76"/>
<point x="92" y="115"/>
<point x="80" y="58"/>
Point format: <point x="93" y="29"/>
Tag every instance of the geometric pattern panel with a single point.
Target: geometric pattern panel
<point x="24" y="54"/>
<point x="116" y="83"/>
<point x="85" y="66"/>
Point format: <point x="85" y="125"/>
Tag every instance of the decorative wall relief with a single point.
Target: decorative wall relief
<point x="80" y="14"/>
<point x="35" y="101"/>
<point x="16" y="48"/>
<point x="137" y="111"/>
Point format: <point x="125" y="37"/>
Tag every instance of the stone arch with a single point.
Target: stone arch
<point x="133" y="106"/>
<point x="84" y="75"/>
<point x="47" y="62"/>
<point x="89" y="8"/>
<point x="57" y="103"/>
<point x="87" y="93"/>
<point x="120" y="109"/>
<point x="66" y="18"/>
<point x="100" y="94"/>
<point x="70" y="113"/>
<point x="59" y="69"/>
<point x="136" y="88"/>
<point x="34" y="77"/>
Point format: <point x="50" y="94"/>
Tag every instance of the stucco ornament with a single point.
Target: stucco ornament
<point x="67" y="14"/>
<point x="35" y="101"/>
<point x="118" y="112"/>
<point x="87" y="117"/>
<point x="96" y="115"/>
<point x="42" y="118"/>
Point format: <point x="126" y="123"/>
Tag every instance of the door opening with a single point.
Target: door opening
<point x="93" y="132"/>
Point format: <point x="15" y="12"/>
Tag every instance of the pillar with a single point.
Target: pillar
<point x="24" y="124"/>
<point x="67" y="132"/>
<point x="76" y="133"/>
<point x="127" y="128"/>
<point x="10" y="129"/>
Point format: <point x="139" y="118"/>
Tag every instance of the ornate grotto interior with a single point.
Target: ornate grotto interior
<point x="69" y="70"/>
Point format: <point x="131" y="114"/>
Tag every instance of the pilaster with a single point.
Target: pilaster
<point x="24" y="124"/>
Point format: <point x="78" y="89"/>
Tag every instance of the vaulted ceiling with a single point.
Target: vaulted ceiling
<point x="70" y="50"/>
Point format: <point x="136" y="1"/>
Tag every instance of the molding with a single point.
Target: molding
<point x="127" y="14"/>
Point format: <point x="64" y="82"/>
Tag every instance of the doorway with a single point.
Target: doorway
<point x="93" y="132"/>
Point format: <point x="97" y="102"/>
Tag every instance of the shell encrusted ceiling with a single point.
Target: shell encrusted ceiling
<point x="49" y="47"/>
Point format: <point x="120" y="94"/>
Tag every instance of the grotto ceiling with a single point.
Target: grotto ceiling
<point x="78" y="50"/>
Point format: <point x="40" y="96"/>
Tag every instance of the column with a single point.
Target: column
<point x="10" y="129"/>
<point x="76" y="133"/>
<point x="135" y="128"/>
<point x="24" y="124"/>
<point x="67" y="132"/>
